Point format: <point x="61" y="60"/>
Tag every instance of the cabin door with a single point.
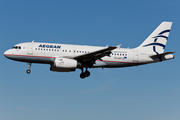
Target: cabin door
<point x="30" y="49"/>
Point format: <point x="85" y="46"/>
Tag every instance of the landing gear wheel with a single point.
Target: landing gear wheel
<point x="82" y="76"/>
<point x="87" y="73"/>
<point x="28" y="71"/>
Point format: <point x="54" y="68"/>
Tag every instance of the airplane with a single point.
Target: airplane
<point x="67" y="57"/>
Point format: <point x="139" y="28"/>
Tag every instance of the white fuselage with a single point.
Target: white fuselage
<point x="34" y="52"/>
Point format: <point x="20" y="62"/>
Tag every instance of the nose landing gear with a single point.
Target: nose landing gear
<point x="29" y="71"/>
<point x="84" y="74"/>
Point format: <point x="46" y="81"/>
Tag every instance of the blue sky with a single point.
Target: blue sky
<point x="143" y="93"/>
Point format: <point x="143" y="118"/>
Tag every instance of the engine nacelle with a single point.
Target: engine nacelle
<point x="64" y="65"/>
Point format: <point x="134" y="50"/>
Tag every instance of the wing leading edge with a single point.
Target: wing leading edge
<point x="93" y="56"/>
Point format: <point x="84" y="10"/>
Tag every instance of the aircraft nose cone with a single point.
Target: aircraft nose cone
<point x="6" y="53"/>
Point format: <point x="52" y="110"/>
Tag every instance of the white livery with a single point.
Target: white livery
<point x="66" y="58"/>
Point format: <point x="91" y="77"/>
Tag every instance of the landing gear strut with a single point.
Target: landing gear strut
<point x="84" y="74"/>
<point x="29" y="71"/>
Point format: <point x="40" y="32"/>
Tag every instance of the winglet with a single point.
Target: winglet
<point x="118" y="46"/>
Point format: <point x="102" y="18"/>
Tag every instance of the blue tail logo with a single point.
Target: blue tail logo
<point x="155" y="43"/>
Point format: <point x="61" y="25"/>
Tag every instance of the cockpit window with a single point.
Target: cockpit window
<point x="16" y="47"/>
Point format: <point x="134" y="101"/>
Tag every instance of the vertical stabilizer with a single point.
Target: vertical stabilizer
<point x="156" y="42"/>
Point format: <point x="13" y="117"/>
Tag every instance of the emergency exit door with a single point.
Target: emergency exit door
<point x="136" y="56"/>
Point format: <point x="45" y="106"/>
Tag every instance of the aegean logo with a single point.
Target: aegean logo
<point x="49" y="46"/>
<point x="155" y="43"/>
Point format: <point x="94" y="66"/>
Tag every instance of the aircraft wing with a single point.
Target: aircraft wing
<point x="95" y="54"/>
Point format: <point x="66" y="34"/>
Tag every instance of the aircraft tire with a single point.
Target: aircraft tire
<point x="82" y="76"/>
<point x="87" y="73"/>
<point x="28" y="71"/>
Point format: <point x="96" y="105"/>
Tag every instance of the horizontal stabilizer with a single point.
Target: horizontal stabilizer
<point x="163" y="56"/>
<point x="159" y="55"/>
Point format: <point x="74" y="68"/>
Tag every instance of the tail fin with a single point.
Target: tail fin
<point x="156" y="42"/>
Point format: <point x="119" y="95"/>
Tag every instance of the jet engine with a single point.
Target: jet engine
<point x="64" y="65"/>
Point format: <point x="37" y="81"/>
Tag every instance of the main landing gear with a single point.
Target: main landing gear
<point x="29" y="71"/>
<point x="84" y="74"/>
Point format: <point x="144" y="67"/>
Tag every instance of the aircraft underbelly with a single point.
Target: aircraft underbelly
<point x="32" y="59"/>
<point x="112" y="64"/>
